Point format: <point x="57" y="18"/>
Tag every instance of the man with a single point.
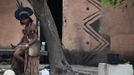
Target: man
<point x="29" y="37"/>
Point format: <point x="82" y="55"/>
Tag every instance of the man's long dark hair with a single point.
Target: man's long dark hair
<point x="25" y="16"/>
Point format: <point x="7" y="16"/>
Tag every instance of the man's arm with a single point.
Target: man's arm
<point x="21" y="41"/>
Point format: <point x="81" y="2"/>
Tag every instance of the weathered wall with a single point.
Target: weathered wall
<point x="119" y="24"/>
<point x="10" y="28"/>
<point x="78" y="18"/>
<point x="90" y="27"/>
<point x="81" y="31"/>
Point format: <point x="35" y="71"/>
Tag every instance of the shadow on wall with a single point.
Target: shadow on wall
<point x="86" y="58"/>
<point x="91" y="57"/>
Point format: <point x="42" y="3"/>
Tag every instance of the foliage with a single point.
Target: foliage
<point x="112" y="3"/>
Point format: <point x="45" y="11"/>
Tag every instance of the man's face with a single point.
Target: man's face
<point x="25" y="21"/>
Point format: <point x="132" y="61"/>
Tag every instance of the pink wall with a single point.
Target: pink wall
<point x="10" y="28"/>
<point x="117" y="23"/>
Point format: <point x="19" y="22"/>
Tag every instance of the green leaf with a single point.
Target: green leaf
<point x="112" y="3"/>
<point x="105" y="2"/>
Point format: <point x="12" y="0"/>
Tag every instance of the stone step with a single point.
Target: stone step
<point x="87" y="70"/>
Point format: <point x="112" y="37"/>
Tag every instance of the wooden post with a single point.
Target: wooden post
<point x="31" y="66"/>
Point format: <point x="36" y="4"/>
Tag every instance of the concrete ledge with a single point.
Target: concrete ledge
<point x="11" y="51"/>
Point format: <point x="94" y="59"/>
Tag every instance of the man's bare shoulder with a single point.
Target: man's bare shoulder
<point x="33" y="26"/>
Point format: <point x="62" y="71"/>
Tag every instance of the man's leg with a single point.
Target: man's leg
<point x="17" y="54"/>
<point x="18" y="61"/>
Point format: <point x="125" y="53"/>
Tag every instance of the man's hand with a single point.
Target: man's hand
<point x="13" y="46"/>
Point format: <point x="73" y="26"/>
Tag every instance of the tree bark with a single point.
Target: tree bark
<point x="58" y="62"/>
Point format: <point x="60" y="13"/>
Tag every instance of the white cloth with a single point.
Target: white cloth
<point x="9" y="72"/>
<point x="44" y="72"/>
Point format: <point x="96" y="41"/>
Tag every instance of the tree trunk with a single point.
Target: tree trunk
<point x="58" y="62"/>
